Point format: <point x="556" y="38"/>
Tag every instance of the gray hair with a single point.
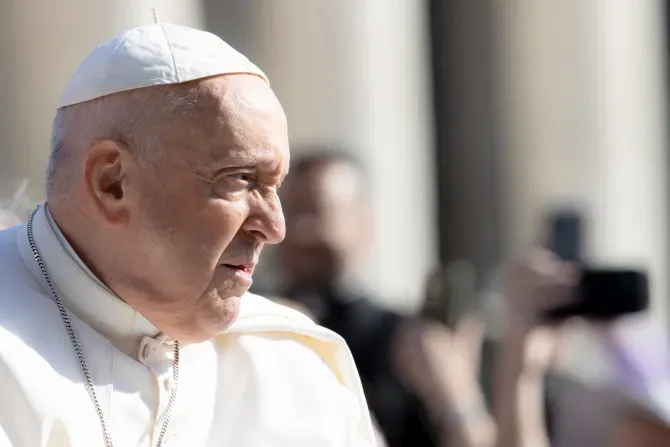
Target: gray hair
<point x="134" y="118"/>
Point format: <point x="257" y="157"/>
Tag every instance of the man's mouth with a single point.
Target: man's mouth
<point x="246" y="269"/>
<point x="241" y="268"/>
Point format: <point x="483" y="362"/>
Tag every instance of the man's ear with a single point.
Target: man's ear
<point x="106" y="169"/>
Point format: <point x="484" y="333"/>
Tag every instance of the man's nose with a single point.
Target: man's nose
<point x="266" y="221"/>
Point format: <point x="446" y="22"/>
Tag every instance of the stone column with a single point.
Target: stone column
<point x="41" y="43"/>
<point x="630" y="202"/>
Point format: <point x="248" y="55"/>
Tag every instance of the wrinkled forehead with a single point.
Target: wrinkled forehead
<point x="239" y="120"/>
<point x="227" y="99"/>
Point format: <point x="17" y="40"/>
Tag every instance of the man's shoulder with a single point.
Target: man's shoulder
<point x="8" y="250"/>
<point x="17" y="284"/>
<point x="27" y="314"/>
<point x="306" y="358"/>
<point x="255" y="306"/>
<point x="273" y="323"/>
<point x="261" y="315"/>
<point x="16" y="281"/>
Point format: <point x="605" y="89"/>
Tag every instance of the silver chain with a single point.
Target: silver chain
<point x="80" y="353"/>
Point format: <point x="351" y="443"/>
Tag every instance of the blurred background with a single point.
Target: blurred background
<point x="471" y="120"/>
<point x="472" y="117"/>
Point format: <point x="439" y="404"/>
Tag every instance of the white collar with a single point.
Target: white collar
<point x="81" y="291"/>
<point x="53" y="226"/>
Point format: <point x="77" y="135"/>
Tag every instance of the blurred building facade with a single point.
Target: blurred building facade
<point x="536" y="104"/>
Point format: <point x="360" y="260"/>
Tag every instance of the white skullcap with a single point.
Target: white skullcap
<point x="157" y="54"/>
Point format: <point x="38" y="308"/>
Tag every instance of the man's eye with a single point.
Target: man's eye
<point x="242" y="177"/>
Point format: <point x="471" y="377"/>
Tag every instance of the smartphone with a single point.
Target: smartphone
<point x="605" y="294"/>
<point x="602" y="294"/>
<point x="566" y="232"/>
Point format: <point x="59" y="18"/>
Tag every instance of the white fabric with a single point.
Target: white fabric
<point x="150" y="55"/>
<point x="62" y="240"/>
<point x="273" y="379"/>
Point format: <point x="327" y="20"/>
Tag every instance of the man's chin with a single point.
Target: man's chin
<point x="210" y="321"/>
<point x="229" y="312"/>
<point x="235" y="278"/>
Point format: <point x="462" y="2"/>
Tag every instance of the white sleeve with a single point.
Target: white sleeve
<point x="357" y="423"/>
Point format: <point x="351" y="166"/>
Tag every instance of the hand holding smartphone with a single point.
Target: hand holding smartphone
<point x="602" y="294"/>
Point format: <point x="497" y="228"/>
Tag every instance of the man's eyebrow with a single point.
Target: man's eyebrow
<point x="217" y="165"/>
<point x="221" y="168"/>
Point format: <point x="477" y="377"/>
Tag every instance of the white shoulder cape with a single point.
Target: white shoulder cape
<point x="294" y="371"/>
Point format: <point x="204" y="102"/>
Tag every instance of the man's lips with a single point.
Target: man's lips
<point x="246" y="268"/>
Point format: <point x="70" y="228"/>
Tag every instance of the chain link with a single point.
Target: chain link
<point x="80" y="353"/>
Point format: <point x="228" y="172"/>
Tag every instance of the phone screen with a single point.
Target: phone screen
<point x="566" y="235"/>
<point x="601" y="294"/>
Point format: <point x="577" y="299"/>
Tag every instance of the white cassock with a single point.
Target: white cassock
<point x="273" y="379"/>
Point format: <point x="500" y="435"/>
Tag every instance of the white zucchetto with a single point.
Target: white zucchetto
<point x="149" y="55"/>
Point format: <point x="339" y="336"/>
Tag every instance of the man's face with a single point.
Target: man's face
<point x="325" y="225"/>
<point x="203" y="216"/>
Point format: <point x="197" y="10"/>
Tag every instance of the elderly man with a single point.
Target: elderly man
<point x="125" y="318"/>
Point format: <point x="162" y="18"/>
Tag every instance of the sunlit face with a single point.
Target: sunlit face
<point x="205" y="213"/>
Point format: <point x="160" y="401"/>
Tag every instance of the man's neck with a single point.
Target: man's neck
<point x="81" y="291"/>
<point x="66" y="227"/>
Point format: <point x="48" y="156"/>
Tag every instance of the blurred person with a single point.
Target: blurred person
<point x="523" y="359"/>
<point x="599" y="366"/>
<point x="328" y="234"/>
<point x="535" y="284"/>
<point x="645" y="422"/>
<point x="634" y="352"/>
<point x="639" y="430"/>
<point x="628" y="413"/>
<point x="420" y="378"/>
<point x="623" y="357"/>
<point x="125" y="318"/>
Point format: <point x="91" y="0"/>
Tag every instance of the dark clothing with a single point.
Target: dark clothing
<point x="369" y="331"/>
